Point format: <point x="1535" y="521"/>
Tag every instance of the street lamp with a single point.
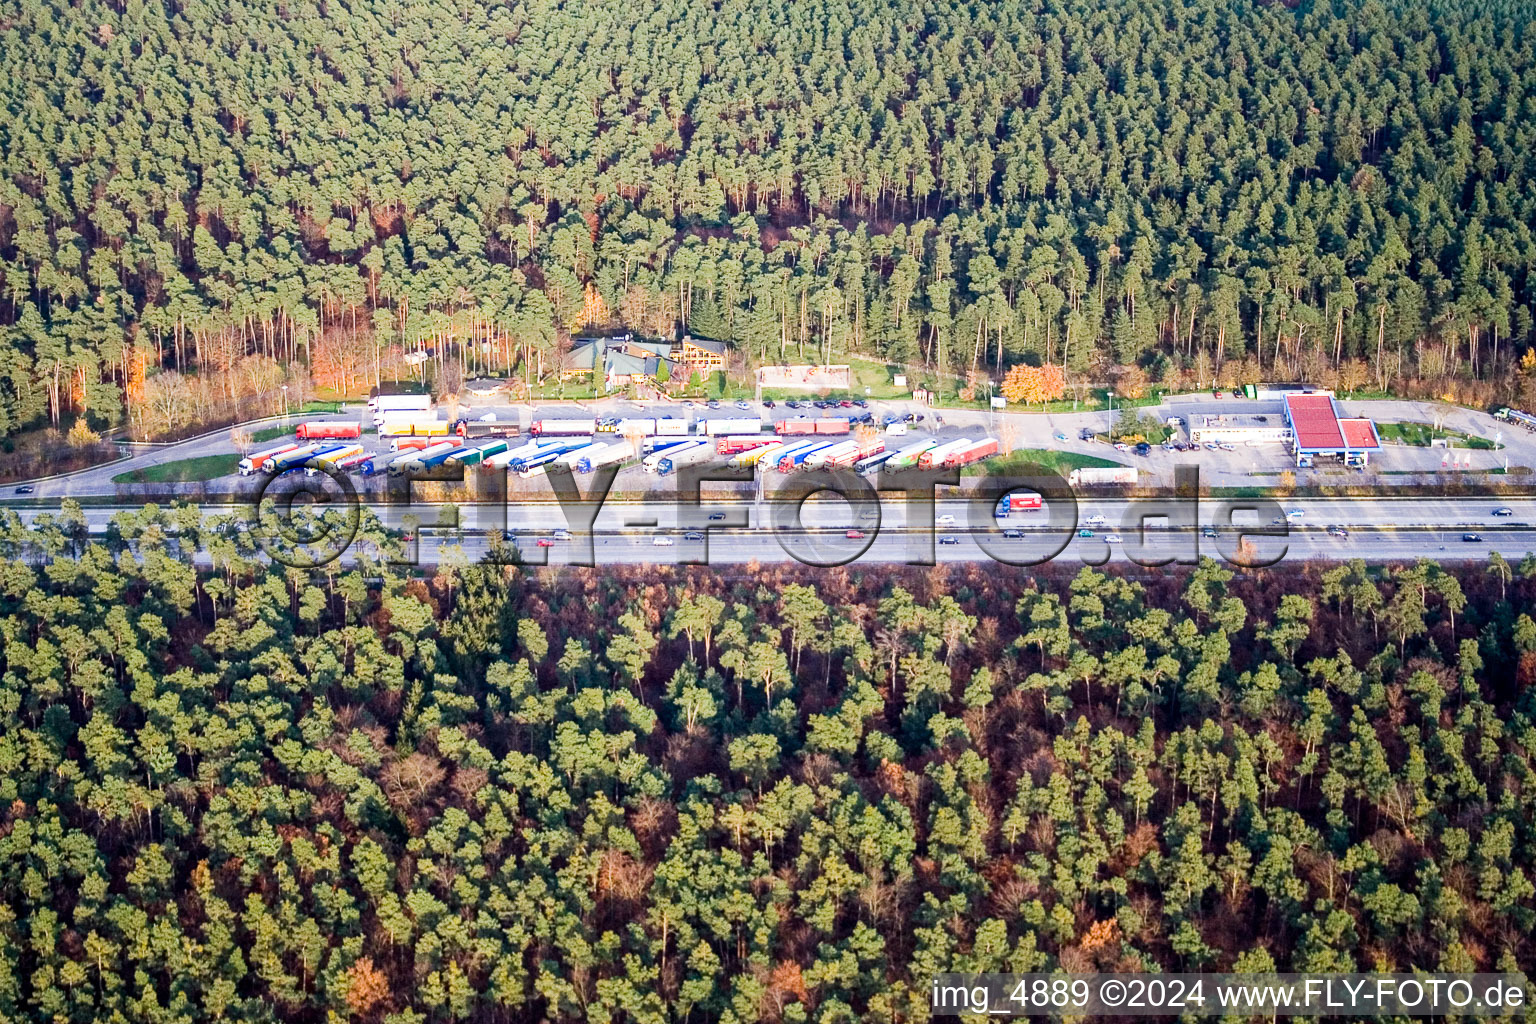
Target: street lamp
<point x="285" y="405"/>
<point x="1111" y="414"/>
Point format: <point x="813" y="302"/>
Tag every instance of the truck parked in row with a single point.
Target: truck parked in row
<point x="330" y="458"/>
<point x="674" y="460"/>
<point x="400" y="425"/>
<point x="471" y="430"/>
<point x="555" y="428"/>
<point x="383" y="405"/>
<point x="328" y="430"/>
<point x="730" y="425"/>
<point x="258" y="460"/>
<point x="973" y="453"/>
<point x="608" y="456"/>
<point x="652" y="461"/>
<point x="742" y="442"/>
<point x="829" y="425"/>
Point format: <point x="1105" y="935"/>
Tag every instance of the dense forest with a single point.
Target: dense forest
<point x="199" y="203"/>
<point x="495" y="795"/>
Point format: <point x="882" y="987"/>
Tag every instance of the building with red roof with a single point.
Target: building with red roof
<point x="1318" y="432"/>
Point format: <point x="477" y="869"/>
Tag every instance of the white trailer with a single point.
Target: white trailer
<point x="672" y="461"/>
<point x="653" y="460"/>
<point x="332" y="458"/>
<point x="1091" y="475"/>
<point x="670" y="426"/>
<point x="386" y="404"/>
<point x="610" y="455"/>
<point x="570" y="457"/>
<point x="731" y="425"/>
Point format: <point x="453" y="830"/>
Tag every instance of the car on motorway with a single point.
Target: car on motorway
<point x="946" y="520"/>
<point x="1113" y="538"/>
<point x="1095" y="520"/>
<point x="1060" y="435"/>
<point x="561" y="534"/>
<point x="854" y="534"/>
<point x="693" y="535"/>
<point x="949" y="539"/>
<point x="1209" y="532"/>
<point x="1295" y="513"/>
<point x="1085" y="533"/>
<point x="870" y="513"/>
<point x="661" y="542"/>
<point x="25" y="489"/>
<point x="1472" y="538"/>
<point x="717" y="517"/>
<point x="1014" y="534"/>
<point x="1502" y="510"/>
<point x="545" y="542"/>
<point x="1337" y="531"/>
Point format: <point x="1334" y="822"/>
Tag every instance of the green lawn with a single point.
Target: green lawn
<point x="270" y="433"/>
<point x="1013" y="463"/>
<point x="208" y="467"/>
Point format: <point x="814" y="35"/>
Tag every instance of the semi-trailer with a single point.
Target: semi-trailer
<point x="256" y="460"/>
<point x="570" y="458"/>
<point x="331" y="458"/>
<point x="406" y="444"/>
<point x="672" y="426"/>
<point x="653" y="460"/>
<point x="490" y="448"/>
<point x="651" y="445"/>
<point x="752" y="456"/>
<point x="431" y="459"/>
<point x="1020" y="503"/>
<point x="412" y="423"/>
<point x="671" y="463"/>
<point x="907" y="457"/>
<point x="419" y="458"/>
<point x="847" y="458"/>
<point x="546" y="453"/>
<point x="327" y="430"/>
<point x="787" y="449"/>
<point x="792" y="461"/>
<point x="394" y="388"/>
<point x="610" y="455"/>
<point x="555" y="428"/>
<point x="936" y="456"/>
<point x="741" y="442"/>
<point x="827" y="425"/>
<point x="826" y="455"/>
<point x="631" y="427"/>
<point x="293" y="457"/>
<point x="730" y="425"/>
<point x="472" y="430"/>
<point x="1092" y="475"/>
<point x="353" y="463"/>
<point x="383" y="405"/>
<point x="464" y="455"/>
<point x="975" y="452"/>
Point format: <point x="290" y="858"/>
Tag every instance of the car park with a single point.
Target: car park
<point x="1472" y="538"/>
<point x="1504" y="510"/>
<point x="947" y="539"/>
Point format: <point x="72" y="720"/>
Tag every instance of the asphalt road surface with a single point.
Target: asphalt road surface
<point x="1378" y="529"/>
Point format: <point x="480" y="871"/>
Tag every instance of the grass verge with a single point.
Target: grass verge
<point x="1014" y="462"/>
<point x="208" y="467"/>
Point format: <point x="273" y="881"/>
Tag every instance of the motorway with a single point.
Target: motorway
<point x="1379" y="529"/>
